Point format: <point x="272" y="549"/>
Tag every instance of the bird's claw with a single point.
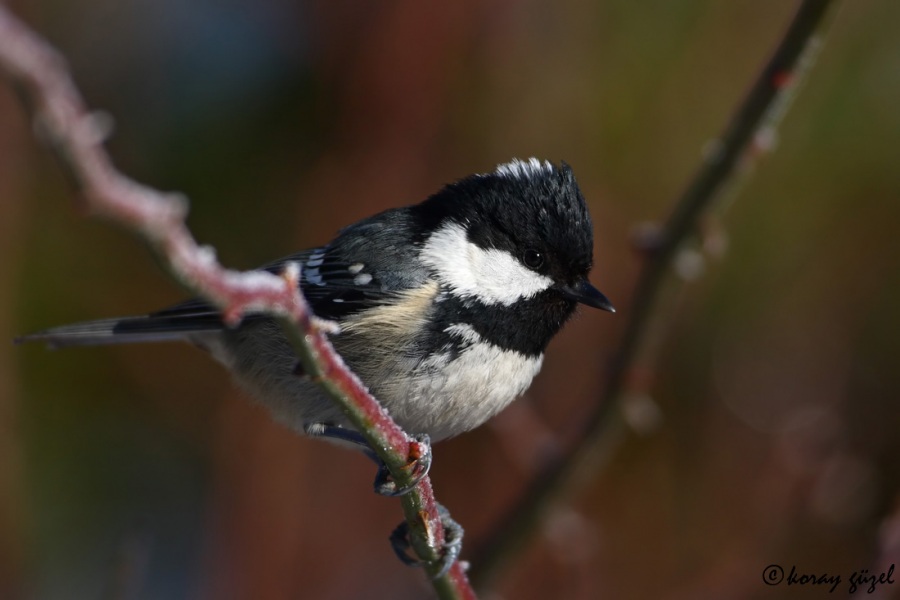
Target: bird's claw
<point x="417" y="467"/>
<point x="449" y="554"/>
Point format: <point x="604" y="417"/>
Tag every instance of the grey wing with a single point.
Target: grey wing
<point x="368" y="263"/>
<point x="365" y="265"/>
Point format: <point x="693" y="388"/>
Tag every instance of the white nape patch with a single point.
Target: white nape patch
<point x="520" y="169"/>
<point x="355" y="268"/>
<point x="311" y="272"/>
<point x="362" y="279"/>
<point x="491" y="276"/>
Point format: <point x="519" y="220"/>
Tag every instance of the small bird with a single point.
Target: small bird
<point x="445" y="307"/>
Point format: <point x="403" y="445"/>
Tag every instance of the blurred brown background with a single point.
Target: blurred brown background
<point x="141" y="472"/>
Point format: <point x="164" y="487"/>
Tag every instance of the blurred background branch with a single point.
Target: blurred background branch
<point x="752" y="130"/>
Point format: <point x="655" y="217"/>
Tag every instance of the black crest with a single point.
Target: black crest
<point x="525" y="208"/>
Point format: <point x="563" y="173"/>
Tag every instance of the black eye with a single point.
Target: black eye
<point x="533" y="259"/>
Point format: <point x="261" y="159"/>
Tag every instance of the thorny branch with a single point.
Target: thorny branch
<point x="747" y="134"/>
<point x="75" y="135"/>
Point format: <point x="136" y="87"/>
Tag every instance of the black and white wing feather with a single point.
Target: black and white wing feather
<point x="367" y="264"/>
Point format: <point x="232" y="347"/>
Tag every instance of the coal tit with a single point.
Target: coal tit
<point x="445" y="308"/>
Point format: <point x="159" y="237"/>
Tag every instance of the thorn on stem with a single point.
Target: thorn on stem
<point x="426" y="524"/>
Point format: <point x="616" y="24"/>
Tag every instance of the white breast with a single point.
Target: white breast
<point x="446" y="397"/>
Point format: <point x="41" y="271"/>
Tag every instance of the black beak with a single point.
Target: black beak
<point x="585" y="293"/>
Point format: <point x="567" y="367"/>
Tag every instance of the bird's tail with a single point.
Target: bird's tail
<point x="181" y="322"/>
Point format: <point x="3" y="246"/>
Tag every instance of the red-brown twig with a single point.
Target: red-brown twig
<point x="75" y="135"/>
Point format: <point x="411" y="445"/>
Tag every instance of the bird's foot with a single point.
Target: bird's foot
<point x="418" y="465"/>
<point x="449" y="553"/>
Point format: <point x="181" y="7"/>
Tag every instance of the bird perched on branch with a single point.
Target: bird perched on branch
<point x="445" y="307"/>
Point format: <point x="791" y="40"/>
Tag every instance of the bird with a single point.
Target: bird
<point x="445" y="308"/>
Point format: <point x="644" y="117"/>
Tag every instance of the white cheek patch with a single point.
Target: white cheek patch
<point x="492" y="276"/>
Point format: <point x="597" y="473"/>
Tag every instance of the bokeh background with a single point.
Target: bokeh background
<point x="765" y="418"/>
